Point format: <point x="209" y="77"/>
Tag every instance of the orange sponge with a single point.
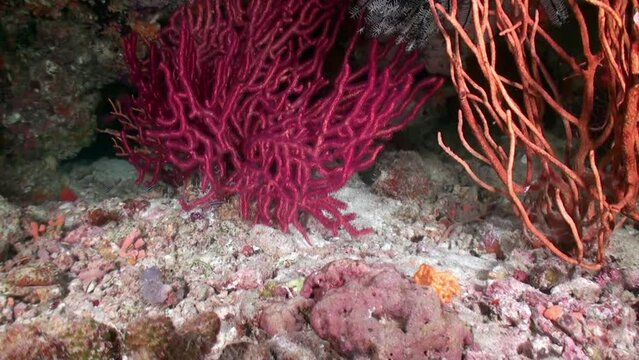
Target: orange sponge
<point x="444" y="283"/>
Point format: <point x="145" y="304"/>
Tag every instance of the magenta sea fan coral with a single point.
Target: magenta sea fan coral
<point x="237" y="94"/>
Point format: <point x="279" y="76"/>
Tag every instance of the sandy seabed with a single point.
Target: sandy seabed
<point x="125" y="272"/>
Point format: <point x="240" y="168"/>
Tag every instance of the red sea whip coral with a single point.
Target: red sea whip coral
<point x="236" y="94"/>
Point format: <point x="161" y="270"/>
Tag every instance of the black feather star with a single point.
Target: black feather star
<point x="412" y="21"/>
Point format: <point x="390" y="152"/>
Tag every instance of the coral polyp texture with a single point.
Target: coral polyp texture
<point x="237" y="94"/>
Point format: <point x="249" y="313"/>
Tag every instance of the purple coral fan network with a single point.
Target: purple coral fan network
<point x="237" y="94"/>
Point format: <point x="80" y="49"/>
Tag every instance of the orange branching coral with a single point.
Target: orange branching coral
<point x="444" y="283"/>
<point x="530" y="85"/>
